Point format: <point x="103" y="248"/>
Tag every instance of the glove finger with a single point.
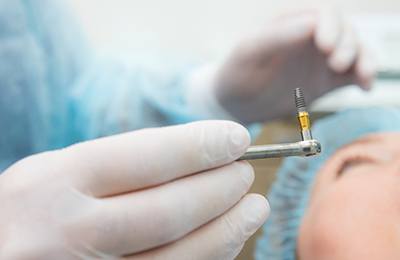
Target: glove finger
<point x="290" y="32"/>
<point x="345" y="53"/>
<point x="223" y="238"/>
<point x="365" y="68"/>
<point x="328" y="31"/>
<point x="149" y="157"/>
<point x="149" y="218"/>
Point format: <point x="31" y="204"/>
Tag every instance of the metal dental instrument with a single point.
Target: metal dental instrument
<point x="306" y="147"/>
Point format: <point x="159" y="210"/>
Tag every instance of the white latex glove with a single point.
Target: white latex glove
<point x="317" y="51"/>
<point x="132" y="195"/>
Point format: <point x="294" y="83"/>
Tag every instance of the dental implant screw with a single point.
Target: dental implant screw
<point x="299" y="100"/>
<point x="302" y="115"/>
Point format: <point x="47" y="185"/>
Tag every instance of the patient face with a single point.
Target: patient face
<point x="354" y="209"/>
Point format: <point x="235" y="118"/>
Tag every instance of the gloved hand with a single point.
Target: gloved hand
<point x="317" y="51"/>
<point x="132" y="195"/>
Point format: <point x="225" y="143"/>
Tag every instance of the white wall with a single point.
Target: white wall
<point x="209" y="28"/>
<point x="192" y="28"/>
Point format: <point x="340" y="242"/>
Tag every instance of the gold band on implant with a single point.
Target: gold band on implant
<point x="304" y="120"/>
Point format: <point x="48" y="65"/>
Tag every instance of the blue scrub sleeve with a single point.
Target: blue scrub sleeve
<point x="41" y="56"/>
<point x="56" y="91"/>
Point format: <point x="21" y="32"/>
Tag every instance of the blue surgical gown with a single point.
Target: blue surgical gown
<point x="55" y="92"/>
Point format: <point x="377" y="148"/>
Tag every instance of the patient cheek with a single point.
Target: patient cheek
<point x="318" y="236"/>
<point x="342" y="221"/>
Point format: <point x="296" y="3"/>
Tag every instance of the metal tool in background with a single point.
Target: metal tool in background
<point x="307" y="147"/>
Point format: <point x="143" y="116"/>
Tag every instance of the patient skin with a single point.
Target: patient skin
<point x="354" y="209"/>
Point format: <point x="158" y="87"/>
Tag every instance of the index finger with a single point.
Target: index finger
<point x="149" y="157"/>
<point x="328" y="30"/>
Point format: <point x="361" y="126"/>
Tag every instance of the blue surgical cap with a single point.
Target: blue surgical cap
<point x="289" y="194"/>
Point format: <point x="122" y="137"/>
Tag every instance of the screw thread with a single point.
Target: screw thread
<point x="299" y="100"/>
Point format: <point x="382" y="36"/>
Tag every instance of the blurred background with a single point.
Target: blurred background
<point x="206" y="30"/>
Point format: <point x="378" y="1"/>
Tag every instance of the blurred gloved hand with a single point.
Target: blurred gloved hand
<point x="315" y="50"/>
<point x="132" y="195"/>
